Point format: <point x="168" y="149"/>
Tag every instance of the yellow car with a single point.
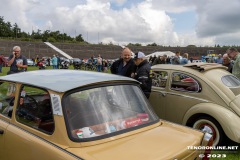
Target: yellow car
<point x="74" y="115"/>
<point x="200" y="95"/>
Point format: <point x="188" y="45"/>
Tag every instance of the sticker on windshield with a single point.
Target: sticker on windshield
<point x="56" y="103"/>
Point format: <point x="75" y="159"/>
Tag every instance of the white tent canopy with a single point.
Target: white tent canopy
<point x="161" y="53"/>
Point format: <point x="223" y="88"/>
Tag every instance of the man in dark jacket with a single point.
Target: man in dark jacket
<point x="125" y="65"/>
<point x="143" y="73"/>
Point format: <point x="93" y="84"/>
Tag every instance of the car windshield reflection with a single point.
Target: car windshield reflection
<point x="106" y="111"/>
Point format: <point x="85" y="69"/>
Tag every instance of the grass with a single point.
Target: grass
<point x="226" y="155"/>
<point x="30" y="68"/>
<point x="230" y="155"/>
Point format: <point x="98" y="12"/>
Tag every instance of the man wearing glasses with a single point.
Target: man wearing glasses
<point x="17" y="62"/>
<point x="234" y="55"/>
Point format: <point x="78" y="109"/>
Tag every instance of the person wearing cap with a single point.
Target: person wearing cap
<point x="125" y="65"/>
<point x="143" y="73"/>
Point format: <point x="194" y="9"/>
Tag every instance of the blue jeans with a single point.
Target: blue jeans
<point x="55" y="67"/>
<point x="99" y="68"/>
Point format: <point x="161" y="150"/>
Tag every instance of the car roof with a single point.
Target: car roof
<point x="63" y="80"/>
<point x="192" y="67"/>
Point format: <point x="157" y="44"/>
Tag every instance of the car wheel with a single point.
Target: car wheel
<point x="211" y="126"/>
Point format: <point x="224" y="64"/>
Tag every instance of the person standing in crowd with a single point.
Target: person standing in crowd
<point x="234" y="55"/>
<point x="191" y="59"/>
<point x="153" y="59"/>
<point x="16" y="61"/>
<point x="143" y="73"/>
<point x="125" y="65"/>
<point x="176" y="58"/>
<point x="55" y="62"/>
<point x="105" y="65"/>
<point x="227" y="62"/>
<point x="160" y="60"/>
<point x="168" y="60"/>
<point x="2" y="61"/>
<point x="58" y="61"/>
<point x="184" y="60"/>
<point x="99" y="63"/>
<point x="219" y="60"/>
<point x="48" y="61"/>
<point x="150" y="59"/>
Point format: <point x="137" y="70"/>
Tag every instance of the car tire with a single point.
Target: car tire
<point x="210" y="125"/>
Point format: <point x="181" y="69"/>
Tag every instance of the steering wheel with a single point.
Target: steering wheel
<point x="30" y="100"/>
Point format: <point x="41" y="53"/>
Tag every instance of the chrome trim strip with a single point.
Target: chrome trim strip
<point x="181" y="95"/>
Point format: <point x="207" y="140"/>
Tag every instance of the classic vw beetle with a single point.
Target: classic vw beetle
<point x="69" y="114"/>
<point x="200" y="95"/>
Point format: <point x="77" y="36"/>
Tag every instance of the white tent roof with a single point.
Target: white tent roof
<point x="161" y="53"/>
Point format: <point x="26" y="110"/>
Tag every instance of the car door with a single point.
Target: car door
<point x="178" y="97"/>
<point x="158" y="93"/>
<point x="32" y="125"/>
<point x="7" y="92"/>
<point x="3" y="126"/>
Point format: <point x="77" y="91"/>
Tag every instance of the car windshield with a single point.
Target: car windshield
<point x="106" y="111"/>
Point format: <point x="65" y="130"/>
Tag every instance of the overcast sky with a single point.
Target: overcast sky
<point x="165" y="22"/>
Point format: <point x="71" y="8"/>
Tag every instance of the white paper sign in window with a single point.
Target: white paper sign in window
<point x="56" y="104"/>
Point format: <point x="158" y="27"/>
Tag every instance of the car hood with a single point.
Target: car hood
<point x="168" y="141"/>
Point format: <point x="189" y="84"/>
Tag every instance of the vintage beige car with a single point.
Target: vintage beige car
<point x="200" y="95"/>
<point x="69" y="114"/>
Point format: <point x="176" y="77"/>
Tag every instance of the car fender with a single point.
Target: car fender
<point x="228" y="120"/>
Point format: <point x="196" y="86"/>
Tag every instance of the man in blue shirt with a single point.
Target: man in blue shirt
<point x="219" y="60"/>
<point x="16" y="61"/>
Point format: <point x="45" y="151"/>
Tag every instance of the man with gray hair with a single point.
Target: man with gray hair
<point x="16" y="61"/>
<point x="227" y="62"/>
<point x="234" y="55"/>
<point x="143" y="73"/>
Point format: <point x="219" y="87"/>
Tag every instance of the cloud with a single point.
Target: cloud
<point x="135" y="21"/>
<point x="216" y="19"/>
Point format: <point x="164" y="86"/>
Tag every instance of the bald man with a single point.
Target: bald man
<point x="125" y="65"/>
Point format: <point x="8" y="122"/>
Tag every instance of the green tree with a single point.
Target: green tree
<point x="79" y="38"/>
<point x="153" y="44"/>
<point x="16" y="31"/>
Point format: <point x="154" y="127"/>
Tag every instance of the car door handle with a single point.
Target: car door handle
<point x="1" y="131"/>
<point x="162" y="94"/>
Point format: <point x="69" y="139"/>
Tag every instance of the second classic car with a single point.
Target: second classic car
<point x="200" y="95"/>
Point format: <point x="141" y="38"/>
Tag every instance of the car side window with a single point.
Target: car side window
<point x="7" y="96"/>
<point x="185" y="83"/>
<point x="34" y="109"/>
<point x="159" y="79"/>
